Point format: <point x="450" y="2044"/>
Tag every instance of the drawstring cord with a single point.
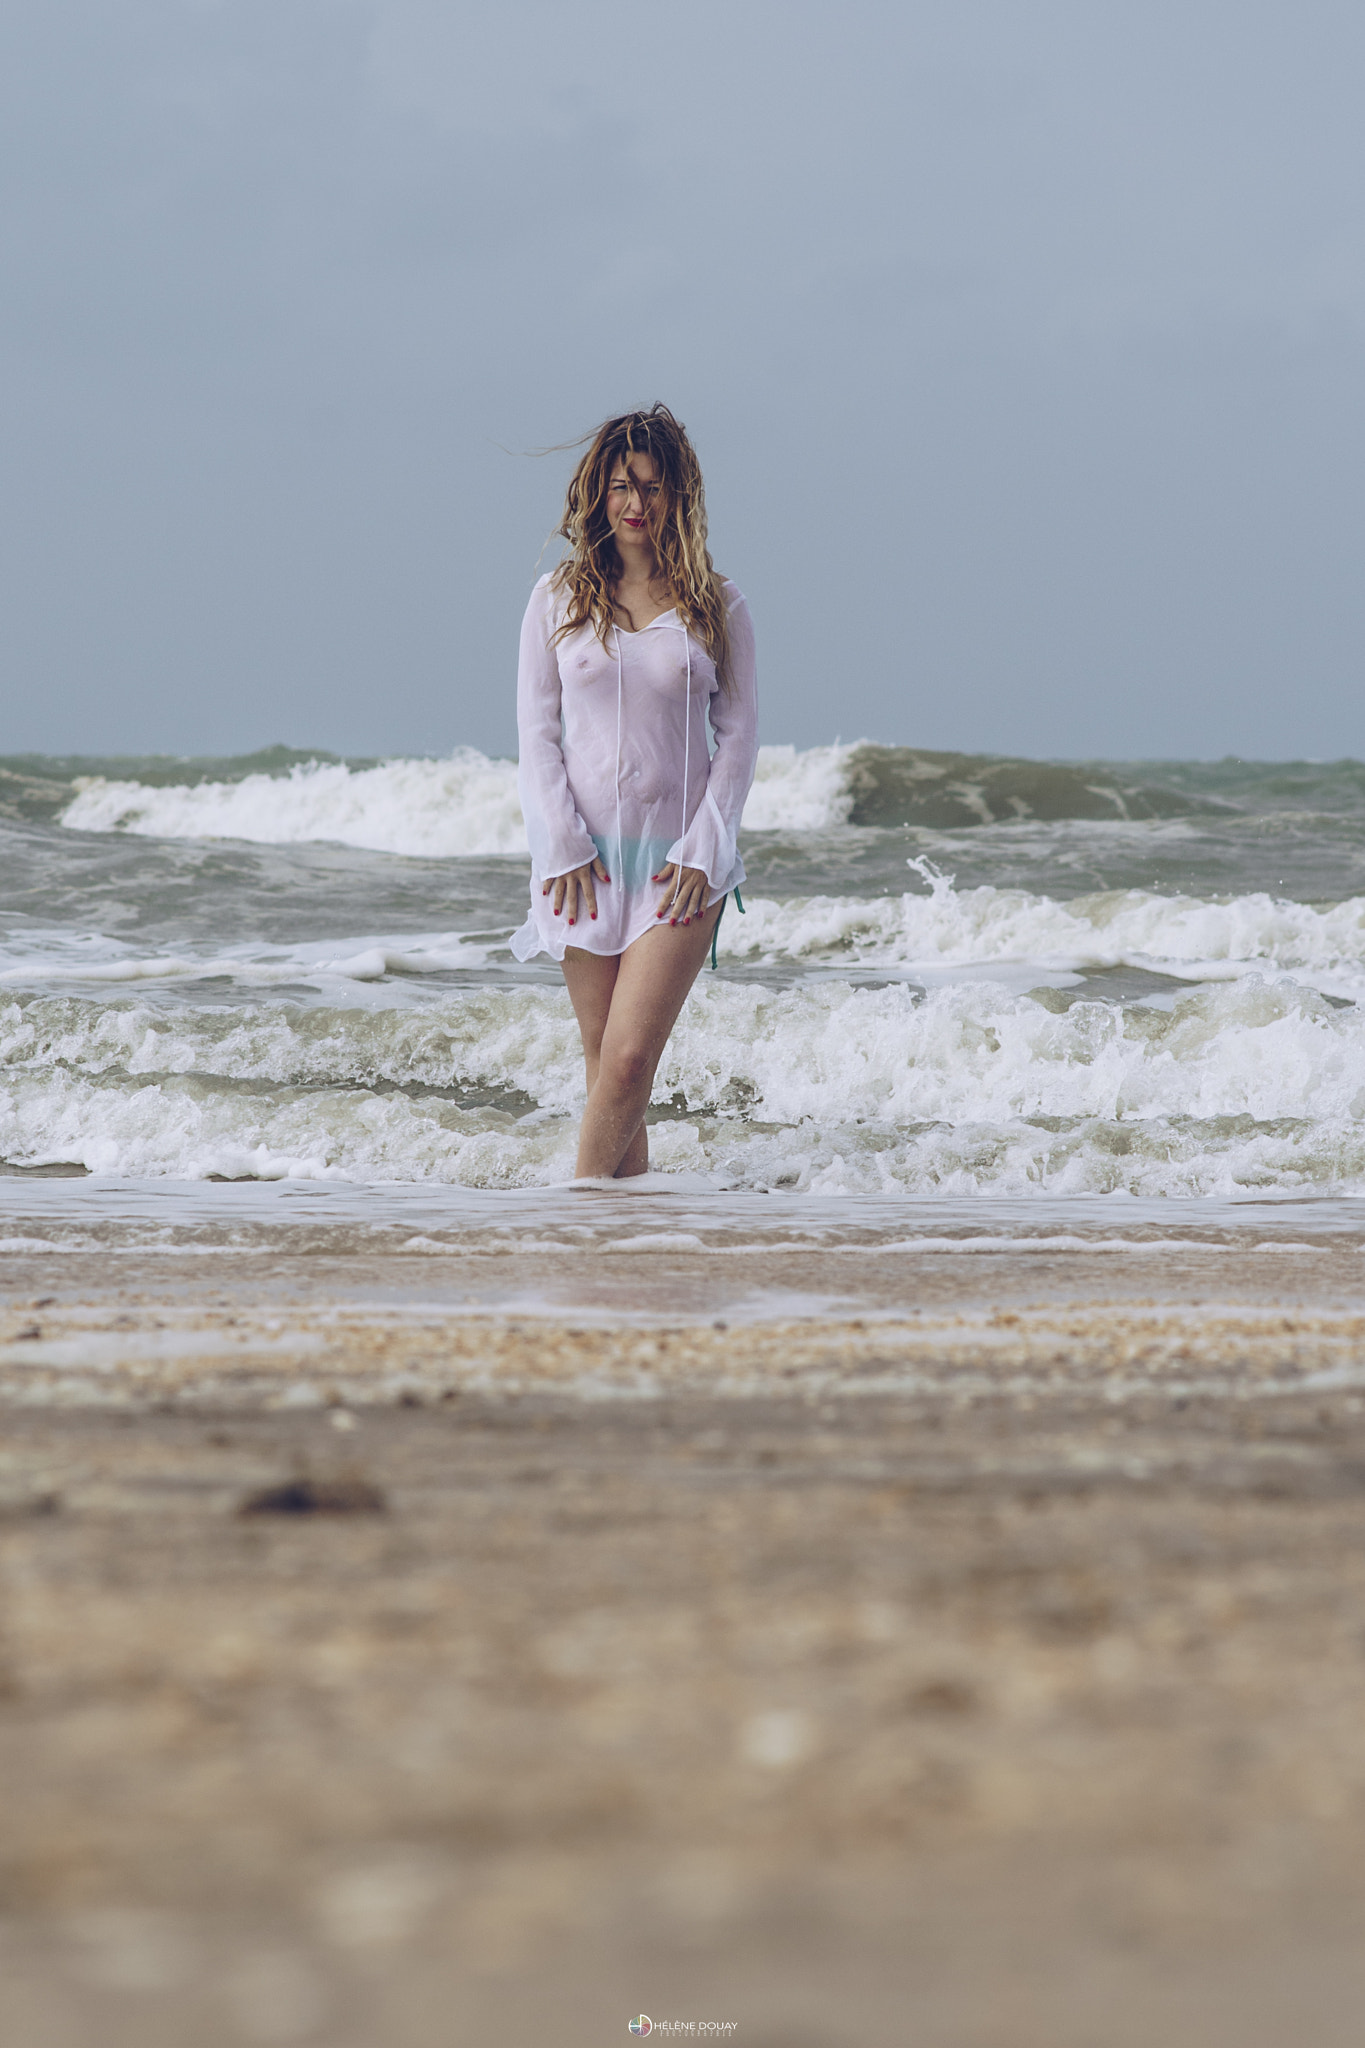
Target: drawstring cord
<point x="687" y="763"/>
<point x="620" y="864"/>
<point x="687" y="741"/>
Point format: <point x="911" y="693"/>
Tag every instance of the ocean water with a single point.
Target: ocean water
<point x="957" y="978"/>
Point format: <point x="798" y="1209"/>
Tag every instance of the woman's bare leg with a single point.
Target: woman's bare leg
<point x="591" y="978"/>
<point x="650" y="987"/>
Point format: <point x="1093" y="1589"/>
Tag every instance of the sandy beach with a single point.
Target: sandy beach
<point x="948" y="1630"/>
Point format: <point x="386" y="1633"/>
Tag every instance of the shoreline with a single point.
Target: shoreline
<point x="856" y="1641"/>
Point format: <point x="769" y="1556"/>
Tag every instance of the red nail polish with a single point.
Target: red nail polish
<point x="594" y="917"/>
<point x="570" y="920"/>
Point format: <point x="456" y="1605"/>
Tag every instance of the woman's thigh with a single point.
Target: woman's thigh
<point x="590" y="979"/>
<point x="651" y="987"/>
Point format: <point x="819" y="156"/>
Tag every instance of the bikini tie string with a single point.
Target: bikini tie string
<point x="715" y="929"/>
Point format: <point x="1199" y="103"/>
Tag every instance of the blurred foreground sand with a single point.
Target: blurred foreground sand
<point x="982" y="1669"/>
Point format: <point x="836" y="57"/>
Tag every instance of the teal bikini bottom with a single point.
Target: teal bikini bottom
<point x="636" y="861"/>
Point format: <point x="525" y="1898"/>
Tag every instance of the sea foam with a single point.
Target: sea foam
<point x="465" y="804"/>
<point x="969" y="1088"/>
<point x="1184" y="936"/>
<point x="932" y="932"/>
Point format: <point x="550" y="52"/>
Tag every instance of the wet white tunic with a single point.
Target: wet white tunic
<point x="614" y="762"/>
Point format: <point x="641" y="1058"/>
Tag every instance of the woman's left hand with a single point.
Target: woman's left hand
<point x="685" y="893"/>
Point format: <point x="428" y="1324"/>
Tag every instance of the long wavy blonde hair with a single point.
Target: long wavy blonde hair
<point x="677" y="527"/>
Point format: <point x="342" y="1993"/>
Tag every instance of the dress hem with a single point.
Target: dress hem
<point x="543" y="944"/>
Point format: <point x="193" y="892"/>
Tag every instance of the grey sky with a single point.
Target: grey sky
<point x="1022" y="346"/>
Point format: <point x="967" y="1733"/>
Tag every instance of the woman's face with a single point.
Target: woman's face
<point x="632" y="491"/>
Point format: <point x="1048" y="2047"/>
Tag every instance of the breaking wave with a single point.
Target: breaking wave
<point x="928" y="931"/>
<point x="466" y="804"/>
<point x="1182" y="936"/>
<point x="969" y="1088"/>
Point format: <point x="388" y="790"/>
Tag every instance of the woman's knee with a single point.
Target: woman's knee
<point x="627" y="1066"/>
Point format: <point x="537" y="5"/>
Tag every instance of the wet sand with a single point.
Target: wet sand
<point x="477" y="1641"/>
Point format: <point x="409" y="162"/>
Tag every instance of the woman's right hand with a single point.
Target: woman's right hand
<point x="574" y="892"/>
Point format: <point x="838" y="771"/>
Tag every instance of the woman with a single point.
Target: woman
<point x="626" y="648"/>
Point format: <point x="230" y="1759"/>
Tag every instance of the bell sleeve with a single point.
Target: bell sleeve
<point x="711" y="840"/>
<point x="558" y="838"/>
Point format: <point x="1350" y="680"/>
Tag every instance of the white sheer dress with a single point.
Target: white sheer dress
<point x="615" y="762"/>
